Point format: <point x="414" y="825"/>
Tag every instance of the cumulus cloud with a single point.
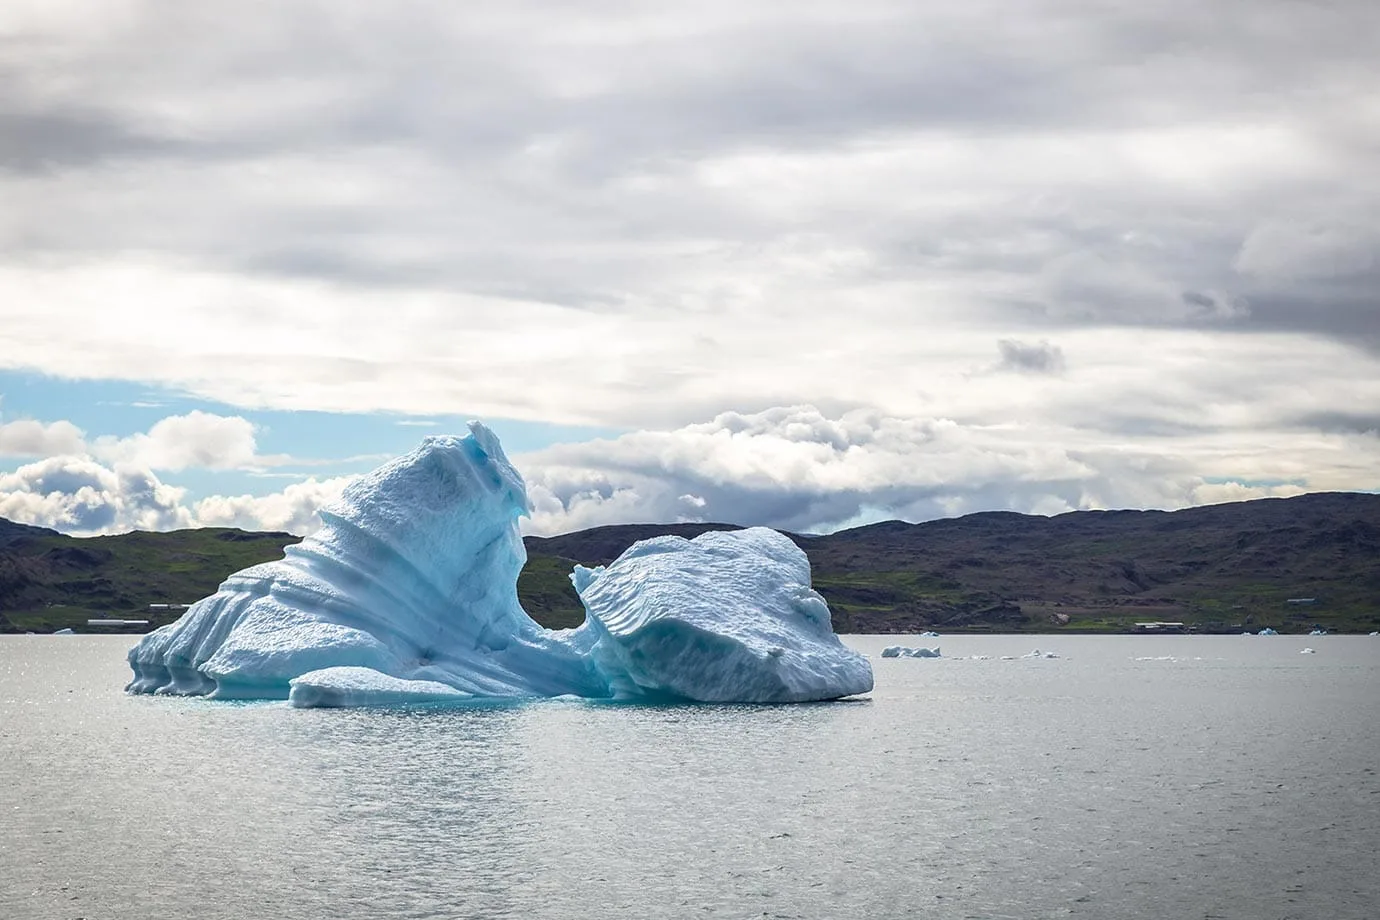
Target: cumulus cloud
<point x="30" y="438"/>
<point x="798" y="469"/>
<point x="292" y="510"/>
<point x="793" y="468"/>
<point x="81" y="496"/>
<point x="109" y="485"/>
<point x="197" y="439"/>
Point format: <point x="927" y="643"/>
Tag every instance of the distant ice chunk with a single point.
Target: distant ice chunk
<point x="1267" y="631"/>
<point x="726" y="617"/>
<point x="1375" y="634"/>
<point x="408" y="594"/>
<point x="929" y="635"/>
<point x="1036" y="653"/>
<point x="1306" y="651"/>
<point x="68" y="631"/>
<point x="1318" y="632"/>
<point x="904" y="651"/>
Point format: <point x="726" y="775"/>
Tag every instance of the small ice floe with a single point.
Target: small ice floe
<point x="1375" y="634"/>
<point x="65" y="632"/>
<point x="1318" y="632"/>
<point x="1306" y="651"/>
<point x="929" y="635"/>
<point x="905" y="651"/>
<point x="1039" y="654"/>
<point x="1155" y="658"/>
<point x="1267" y="631"/>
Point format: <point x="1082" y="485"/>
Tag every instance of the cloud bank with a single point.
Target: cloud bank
<point x="109" y="485"/>
<point x="798" y="469"/>
<point x="601" y="213"/>
<point x="1052" y="255"/>
<point x="795" y="468"/>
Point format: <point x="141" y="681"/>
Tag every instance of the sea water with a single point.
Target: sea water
<point x="1206" y="777"/>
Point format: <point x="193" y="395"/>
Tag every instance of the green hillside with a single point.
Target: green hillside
<point x="1285" y="563"/>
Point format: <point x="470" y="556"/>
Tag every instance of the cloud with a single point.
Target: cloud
<point x="177" y="442"/>
<point x="1288" y="250"/>
<point x="30" y="438"/>
<point x="292" y="510"/>
<point x="798" y="469"/>
<point x="803" y="469"/>
<point x="109" y="485"/>
<point x="1022" y="357"/>
<point x="81" y="496"/>
<point x="638" y="218"/>
<point x="792" y="468"/>
<point x="41" y="142"/>
<point x="851" y="201"/>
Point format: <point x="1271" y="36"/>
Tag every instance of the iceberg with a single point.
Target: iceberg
<point x="726" y="617"/>
<point x="903" y="651"/>
<point x="408" y="594"/>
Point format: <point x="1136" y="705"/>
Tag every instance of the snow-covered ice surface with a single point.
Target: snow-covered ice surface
<point x="408" y="594"/>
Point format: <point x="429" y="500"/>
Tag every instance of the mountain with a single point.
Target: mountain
<point x="1222" y="567"/>
<point x="48" y="580"/>
<point x="1286" y="563"/>
<point x="10" y="531"/>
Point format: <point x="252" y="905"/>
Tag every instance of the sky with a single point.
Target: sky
<point x="807" y="265"/>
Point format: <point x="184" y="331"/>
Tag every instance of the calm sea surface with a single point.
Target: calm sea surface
<point x="1163" y="777"/>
